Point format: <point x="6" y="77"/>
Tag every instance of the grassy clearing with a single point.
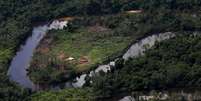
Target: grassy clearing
<point x="63" y="53"/>
<point x="87" y="48"/>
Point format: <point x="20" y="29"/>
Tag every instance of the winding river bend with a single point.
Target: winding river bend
<point x="18" y="69"/>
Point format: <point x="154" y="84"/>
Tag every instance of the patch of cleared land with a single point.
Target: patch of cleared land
<point x="85" y="47"/>
<point x="61" y="51"/>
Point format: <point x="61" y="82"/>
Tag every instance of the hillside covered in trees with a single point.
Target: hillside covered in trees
<point x="18" y="17"/>
<point x="174" y="63"/>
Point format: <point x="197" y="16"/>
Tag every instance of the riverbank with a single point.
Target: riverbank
<point x="18" y="68"/>
<point x="162" y="94"/>
<point x="77" y="50"/>
<point x="63" y="54"/>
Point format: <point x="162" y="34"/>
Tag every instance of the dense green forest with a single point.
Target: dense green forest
<point x="174" y="63"/>
<point x="17" y="18"/>
<point x="84" y="94"/>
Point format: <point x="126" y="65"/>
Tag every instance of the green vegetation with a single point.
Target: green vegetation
<point x="169" y="64"/>
<point x="84" y="40"/>
<point x="87" y="46"/>
<point x="72" y="94"/>
<point x="17" y="18"/>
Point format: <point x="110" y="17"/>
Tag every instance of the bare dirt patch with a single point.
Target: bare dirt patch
<point x="134" y="11"/>
<point x="68" y="18"/>
<point x="44" y="46"/>
<point x="84" y="60"/>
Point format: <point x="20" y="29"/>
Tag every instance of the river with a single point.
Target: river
<point x="18" y="69"/>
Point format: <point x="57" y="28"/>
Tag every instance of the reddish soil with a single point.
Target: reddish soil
<point x="66" y="18"/>
<point x="44" y="46"/>
<point x="83" y="60"/>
